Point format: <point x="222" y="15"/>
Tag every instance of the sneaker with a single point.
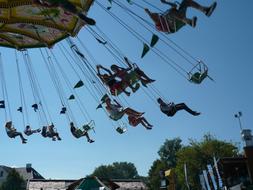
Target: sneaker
<point x="149" y="127"/>
<point x="24" y="141"/>
<point x="140" y="113"/>
<point x="144" y="83"/>
<point x="134" y="89"/>
<point x="151" y="80"/>
<point x="86" y="19"/>
<point x="91" y="141"/>
<point x="38" y="130"/>
<point x="210" y="10"/>
<point x="194" y="22"/>
<point x="196" y="113"/>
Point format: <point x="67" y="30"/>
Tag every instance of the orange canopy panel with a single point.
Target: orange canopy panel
<point x="27" y="25"/>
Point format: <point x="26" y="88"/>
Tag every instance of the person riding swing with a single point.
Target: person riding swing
<point x="170" y="109"/>
<point x="12" y="132"/>
<point x="136" y="120"/>
<point x="116" y="112"/>
<point x="78" y="133"/>
<point x="175" y="18"/>
<point x="50" y="132"/>
<point x="109" y="80"/>
<point x="131" y="74"/>
<point x="28" y="130"/>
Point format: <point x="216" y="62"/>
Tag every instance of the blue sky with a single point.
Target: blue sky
<point x="224" y="41"/>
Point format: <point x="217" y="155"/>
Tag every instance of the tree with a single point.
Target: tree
<point x="14" y="182"/>
<point x="198" y="154"/>
<point x="117" y="170"/>
<point x="154" y="179"/>
<point x="167" y="153"/>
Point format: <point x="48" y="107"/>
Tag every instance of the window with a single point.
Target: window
<point x="1" y="173"/>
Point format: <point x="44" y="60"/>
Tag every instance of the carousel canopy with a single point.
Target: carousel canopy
<point x="24" y="24"/>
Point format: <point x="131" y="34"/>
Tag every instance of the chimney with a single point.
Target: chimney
<point x="248" y="150"/>
<point x="29" y="167"/>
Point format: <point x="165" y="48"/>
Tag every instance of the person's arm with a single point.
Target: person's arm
<point x="128" y="63"/>
<point x="169" y="3"/>
<point x="98" y="69"/>
<point x="117" y="103"/>
<point x="107" y="70"/>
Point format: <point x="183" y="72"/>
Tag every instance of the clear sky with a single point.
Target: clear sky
<point x="224" y="41"/>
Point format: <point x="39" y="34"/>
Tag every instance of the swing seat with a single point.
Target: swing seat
<point x="168" y="24"/>
<point x="44" y="131"/>
<point x="121" y="130"/>
<point x="116" y="117"/>
<point x="198" y="77"/>
<point x="89" y="126"/>
<point x="28" y="133"/>
<point x="133" y="79"/>
<point x="177" y="25"/>
<point x="78" y="133"/>
<point x="11" y="134"/>
<point x="103" y="99"/>
<point x="198" y="73"/>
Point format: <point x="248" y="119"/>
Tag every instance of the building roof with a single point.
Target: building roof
<point x="38" y="184"/>
<point x="27" y="173"/>
<point x="127" y="184"/>
<point x="119" y="184"/>
<point x="6" y="168"/>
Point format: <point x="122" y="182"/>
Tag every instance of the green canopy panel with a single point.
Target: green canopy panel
<point x="79" y="84"/>
<point x="91" y="183"/>
<point x="71" y="97"/>
<point x="26" y="25"/>
<point x="145" y="50"/>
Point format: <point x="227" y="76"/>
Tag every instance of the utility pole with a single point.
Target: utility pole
<point x="238" y="116"/>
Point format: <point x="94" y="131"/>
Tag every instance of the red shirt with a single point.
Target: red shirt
<point x="162" y="25"/>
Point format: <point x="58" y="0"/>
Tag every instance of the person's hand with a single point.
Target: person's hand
<point x="147" y="10"/>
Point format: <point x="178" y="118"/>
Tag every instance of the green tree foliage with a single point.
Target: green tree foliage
<point x="167" y="153"/>
<point x="13" y="182"/>
<point x="117" y="170"/>
<point x="198" y="154"/>
<point x="154" y="179"/>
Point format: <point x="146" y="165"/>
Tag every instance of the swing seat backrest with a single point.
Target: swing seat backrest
<point x="132" y="77"/>
<point x="121" y="130"/>
<point x="198" y="73"/>
<point x="28" y="132"/>
<point x="11" y="134"/>
<point x="172" y="24"/>
<point x="116" y="117"/>
<point x="78" y="133"/>
<point x="198" y="77"/>
<point x="44" y="131"/>
<point x="88" y="127"/>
